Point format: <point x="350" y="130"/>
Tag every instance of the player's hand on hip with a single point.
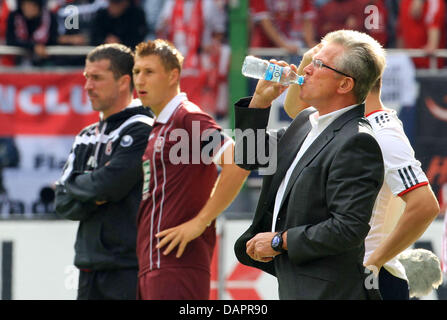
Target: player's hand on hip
<point x="180" y="236"/>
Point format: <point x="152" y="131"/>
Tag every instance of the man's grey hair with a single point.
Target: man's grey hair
<point x="363" y="59"/>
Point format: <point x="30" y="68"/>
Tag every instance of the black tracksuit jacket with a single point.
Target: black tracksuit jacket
<point x="104" y="166"/>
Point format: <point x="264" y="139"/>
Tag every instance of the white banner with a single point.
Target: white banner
<point x="29" y="186"/>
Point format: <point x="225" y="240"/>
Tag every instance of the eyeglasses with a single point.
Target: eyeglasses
<point x="317" y="63"/>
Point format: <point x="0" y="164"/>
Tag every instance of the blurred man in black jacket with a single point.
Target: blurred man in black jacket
<point x="121" y="22"/>
<point x="33" y="27"/>
<point x="102" y="180"/>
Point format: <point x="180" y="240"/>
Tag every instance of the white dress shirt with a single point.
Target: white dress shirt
<point x="318" y="125"/>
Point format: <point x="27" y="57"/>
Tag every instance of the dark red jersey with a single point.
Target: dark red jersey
<point x="179" y="175"/>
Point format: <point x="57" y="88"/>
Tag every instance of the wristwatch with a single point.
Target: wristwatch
<point x="277" y="242"/>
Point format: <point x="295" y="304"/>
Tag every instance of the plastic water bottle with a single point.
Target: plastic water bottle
<point x="262" y="69"/>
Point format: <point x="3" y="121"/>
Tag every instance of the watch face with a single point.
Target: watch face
<point x="275" y="242"/>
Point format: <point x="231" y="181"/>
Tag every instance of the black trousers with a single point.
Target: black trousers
<point x="391" y="287"/>
<point x="120" y="284"/>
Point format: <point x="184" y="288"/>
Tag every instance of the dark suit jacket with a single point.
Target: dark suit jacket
<point x="326" y="207"/>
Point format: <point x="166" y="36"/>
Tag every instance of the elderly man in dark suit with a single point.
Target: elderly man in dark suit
<point x="314" y="210"/>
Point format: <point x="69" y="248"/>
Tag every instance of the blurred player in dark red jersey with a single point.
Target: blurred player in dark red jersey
<point x="182" y="192"/>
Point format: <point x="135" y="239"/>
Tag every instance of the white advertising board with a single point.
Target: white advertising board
<point x="43" y="251"/>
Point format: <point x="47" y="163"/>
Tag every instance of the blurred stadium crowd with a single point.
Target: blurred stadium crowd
<point x="200" y="26"/>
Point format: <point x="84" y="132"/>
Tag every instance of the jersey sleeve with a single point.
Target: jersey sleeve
<point x="403" y="171"/>
<point x="435" y="14"/>
<point x="308" y="9"/>
<point x="259" y="10"/>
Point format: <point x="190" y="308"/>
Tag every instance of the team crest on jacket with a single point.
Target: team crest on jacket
<point x="108" y="150"/>
<point x="126" y="141"/>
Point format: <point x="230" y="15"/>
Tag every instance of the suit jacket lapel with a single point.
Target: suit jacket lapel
<point x="287" y="149"/>
<point x="322" y="140"/>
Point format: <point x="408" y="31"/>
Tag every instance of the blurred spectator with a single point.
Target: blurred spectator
<point x="75" y="23"/>
<point x="392" y="8"/>
<point x="215" y="64"/>
<point x="33" y="27"/>
<point x="341" y="14"/>
<point x="320" y="3"/>
<point x="375" y="17"/>
<point x="191" y="26"/>
<point x="287" y="24"/>
<point x="45" y="203"/>
<point x="422" y="26"/>
<point x="9" y="158"/>
<point x="121" y="22"/>
<point x="198" y="29"/>
<point x="4" y="13"/>
<point x="152" y="8"/>
<point x="376" y="20"/>
<point x="77" y="32"/>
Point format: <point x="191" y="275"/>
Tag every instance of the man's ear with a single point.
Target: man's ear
<point x="346" y="85"/>
<point x="125" y="82"/>
<point x="174" y="76"/>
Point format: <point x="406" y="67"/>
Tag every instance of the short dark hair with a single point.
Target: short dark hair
<point x="120" y="57"/>
<point x="170" y="57"/>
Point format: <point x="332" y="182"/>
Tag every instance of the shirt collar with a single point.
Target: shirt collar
<point x="319" y="123"/>
<point x="135" y="103"/>
<point x="169" y="109"/>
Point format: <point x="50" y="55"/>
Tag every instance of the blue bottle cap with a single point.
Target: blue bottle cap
<point x="300" y="80"/>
